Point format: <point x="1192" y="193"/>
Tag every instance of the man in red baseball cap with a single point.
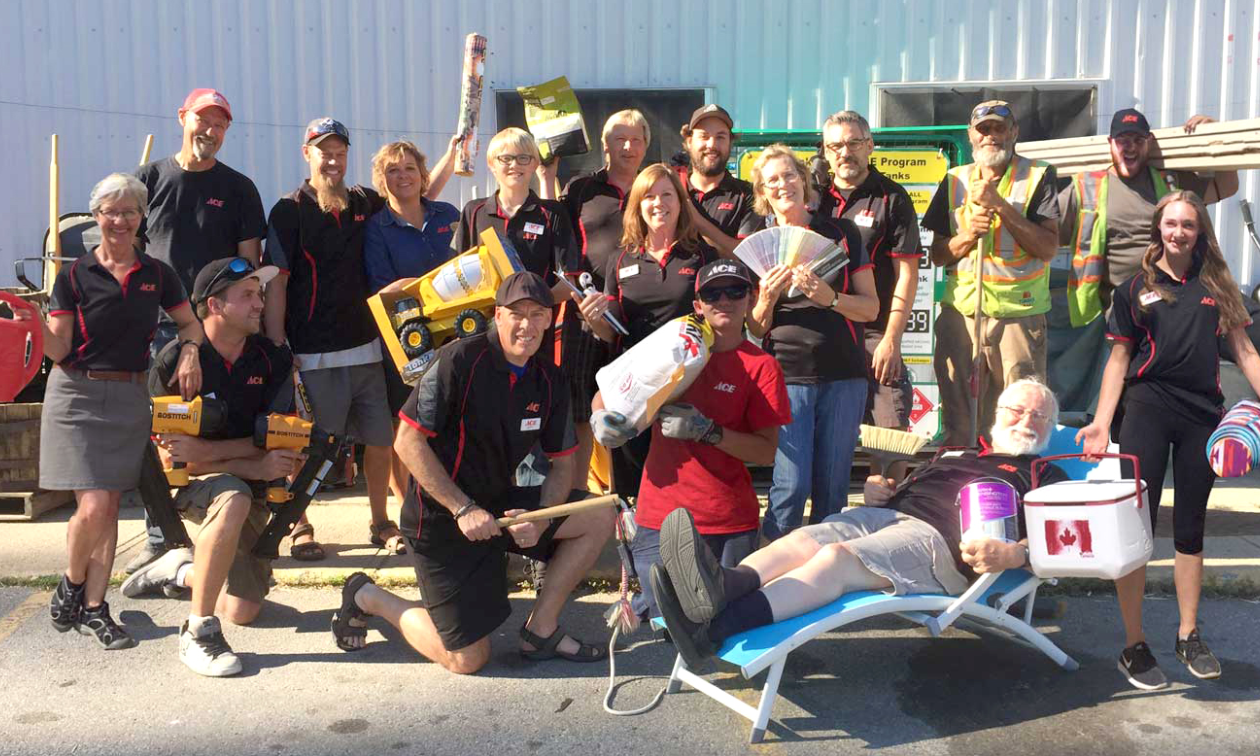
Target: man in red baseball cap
<point x="200" y="210"/>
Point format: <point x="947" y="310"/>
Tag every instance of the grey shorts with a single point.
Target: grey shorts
<point x="202" y="500"/>
<point x="911" y="554"/>
<point x="352" y="399"/>
<point x="886" y="406"/>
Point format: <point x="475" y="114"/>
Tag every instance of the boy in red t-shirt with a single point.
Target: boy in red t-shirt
<point x="730" y="416"/>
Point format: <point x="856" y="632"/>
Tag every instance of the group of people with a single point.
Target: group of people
<point x="658" y="243"/>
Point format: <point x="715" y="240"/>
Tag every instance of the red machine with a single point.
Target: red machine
<point x="21" y="347"/>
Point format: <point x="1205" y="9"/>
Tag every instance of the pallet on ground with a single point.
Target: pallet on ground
<point x="26" y="506"/>
<point x="19" y="447"/>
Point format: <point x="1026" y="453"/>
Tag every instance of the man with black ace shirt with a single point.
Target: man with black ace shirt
<point x="719" y="201"/>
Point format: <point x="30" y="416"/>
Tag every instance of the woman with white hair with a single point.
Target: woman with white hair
<point x="95" y="421"/>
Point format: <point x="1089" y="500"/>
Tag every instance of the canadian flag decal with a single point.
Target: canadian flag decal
<point x="1069" y="537"/>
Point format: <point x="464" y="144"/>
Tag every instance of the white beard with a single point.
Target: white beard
<point x="991" y="157"/>
<point x="1016" y="441"/>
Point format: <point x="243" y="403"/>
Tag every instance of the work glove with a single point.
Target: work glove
<point x="611" y="428"/>
<point x="686" y="423"/>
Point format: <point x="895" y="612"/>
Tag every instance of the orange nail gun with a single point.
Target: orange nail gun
<point x="288" y="501"/>
<point x="171" y="414"/>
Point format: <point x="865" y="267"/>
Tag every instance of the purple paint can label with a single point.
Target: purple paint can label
<point x="989" y="509"/>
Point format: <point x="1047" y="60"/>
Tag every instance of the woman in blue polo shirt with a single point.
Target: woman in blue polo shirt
<point x="409" y="237"/>
<point x="1161" y="387"/>
<point x="95" y="421"/>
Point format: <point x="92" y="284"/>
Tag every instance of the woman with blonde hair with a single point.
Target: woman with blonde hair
<point x="817" y="338"/>
<point x="1161" y="393"/>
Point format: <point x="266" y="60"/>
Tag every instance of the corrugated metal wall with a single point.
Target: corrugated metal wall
<point x="103" y="74"/>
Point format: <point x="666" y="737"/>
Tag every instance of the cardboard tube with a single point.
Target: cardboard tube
<point x="560" y="510"/>
<point x="148" y="147"/>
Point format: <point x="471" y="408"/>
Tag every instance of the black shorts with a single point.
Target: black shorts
<point x="463" y="584"/>
<point x="582" y="354"/>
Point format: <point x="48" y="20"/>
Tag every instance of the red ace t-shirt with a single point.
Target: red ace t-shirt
<point x="741" y="390"/>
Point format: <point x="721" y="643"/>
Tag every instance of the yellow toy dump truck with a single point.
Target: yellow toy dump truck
<point x="454" y="300"/>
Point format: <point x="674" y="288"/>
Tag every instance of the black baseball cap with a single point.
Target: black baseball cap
<point x="711" y="111"/>
<point x="718" y="270"/>
<point x="1127" y="121"/>
<point x="222" y="273"/>
<point x="523" y="285"/>
<point x="323" y="127"/>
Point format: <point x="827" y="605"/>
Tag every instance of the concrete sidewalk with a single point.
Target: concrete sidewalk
<point x="37" y="549"/>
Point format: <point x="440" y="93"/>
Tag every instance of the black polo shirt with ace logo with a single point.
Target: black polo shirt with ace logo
<point x="257" y="383"/>
<point x="539" y="231"/>
<point x="647" y="294"/>
<point x="1175" y="362"/>
<point x="884" y="216"/>
<point x="726" y="205"/>
<point x="595" y="207"/>
<point x="114" y="322"/>
<point x="481" y="420"/>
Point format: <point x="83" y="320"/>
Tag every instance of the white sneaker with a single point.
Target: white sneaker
<point x="158" y="575"/>
<point x="208" y="653"/>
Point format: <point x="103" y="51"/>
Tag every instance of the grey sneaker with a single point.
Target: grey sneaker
<point x="158" y="575"/>
<point x="1139" y="667"/>
<point x="147" y="554"/>
<point x="208" y="652"/>
<point x="1197" y="657"/>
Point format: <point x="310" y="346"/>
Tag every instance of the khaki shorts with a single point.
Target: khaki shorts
<point x="249" y="578"/>
<point x="911" y="554"/>
<point x="352" y="399"/>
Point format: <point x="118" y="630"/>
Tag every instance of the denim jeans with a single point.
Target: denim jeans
<point x="729" y="548"/>
<point x="815" y="453"/>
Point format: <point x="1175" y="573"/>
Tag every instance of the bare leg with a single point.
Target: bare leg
<point x="781" y="556"/>
<point x="831" y="573"/>
<point x="1188" y="577"/>
<point x="236" y="610"/>
<point x="582" y="538"/>
<point x="417" y="628"/>
<point x="90" y="541"/>
<point x="1129" y="590"/>
<point x="582" y="457"/>
<point x="376" y="468"/>
<point x="216" y="548"/>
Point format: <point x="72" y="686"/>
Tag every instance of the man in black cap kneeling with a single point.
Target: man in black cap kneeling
<point x="474" y="415"/>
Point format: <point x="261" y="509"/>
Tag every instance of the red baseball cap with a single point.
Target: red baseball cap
<point x="200" y="99"/>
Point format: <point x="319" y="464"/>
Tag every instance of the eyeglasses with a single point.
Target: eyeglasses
<point x="119" y="215"/>
<point x="1040" y="417"/>
<point x="714" y="294"/>
<point x="984" y="110"/>
<point x="238" y="266"/>
<point x="854" y="145"/>
<point x="783" y="179"/>
<point x="506" y="160"/>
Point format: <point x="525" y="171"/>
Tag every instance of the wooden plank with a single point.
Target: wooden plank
<point x="28" y="506"/>
<point x="1221" y="146"/>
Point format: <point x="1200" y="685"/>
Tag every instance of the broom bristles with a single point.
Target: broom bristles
<point x="892" y="440"/>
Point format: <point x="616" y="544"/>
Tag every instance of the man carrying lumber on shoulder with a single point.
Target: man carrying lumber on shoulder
<point x="995" y="226"/>
<point x="906" y="540"/>
<point x="1105" y="230"/>
<point x="474" y="415"/>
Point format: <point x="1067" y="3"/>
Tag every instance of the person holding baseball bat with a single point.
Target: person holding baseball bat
<point x="482" y="405"/>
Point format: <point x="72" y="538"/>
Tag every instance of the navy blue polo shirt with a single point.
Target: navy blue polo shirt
<point x="114" y="322"/>
<point x="394" y="249"/>
<point x="648" y="294"/>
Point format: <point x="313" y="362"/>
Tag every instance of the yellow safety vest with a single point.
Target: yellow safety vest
<point x="1090" y="247"/>
<point x="1015" y="283"/>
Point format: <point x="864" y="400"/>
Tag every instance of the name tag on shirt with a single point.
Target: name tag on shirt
<point x="531" y="423"/>
<point x="534" y="228"/>
<point x="865" y="219"/>
<point x="629" y="270"/>
<point x="1150" y="297"/>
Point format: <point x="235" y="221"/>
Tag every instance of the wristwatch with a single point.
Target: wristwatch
<point x="185" y="343"/>
<point x="834" y="301"/>
<point x="470" y="506"/>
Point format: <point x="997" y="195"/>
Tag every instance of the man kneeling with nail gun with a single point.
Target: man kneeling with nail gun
<point x="244" y="376"/>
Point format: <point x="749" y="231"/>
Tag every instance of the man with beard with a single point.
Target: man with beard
<point x="199" y="210"/>
<point x="225" y="495"/>
<point x="319" y="304"/>
<point x="719" y="201"/>
<point x="1106" y="226"/>
<point x="883" y="214"/>
<point x="995" y="226"/>
<point x="905" y="540"/>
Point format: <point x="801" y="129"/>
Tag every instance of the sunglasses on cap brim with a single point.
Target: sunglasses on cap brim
<point x="712" y="294"/>
<point x="238" y="267"/>
<point x="987" y="110"/>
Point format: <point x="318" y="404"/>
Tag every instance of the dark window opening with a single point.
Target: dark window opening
<point x="1055" y="113"/>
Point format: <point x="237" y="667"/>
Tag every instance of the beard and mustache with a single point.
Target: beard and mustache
<point x="993" y="157"/>
<point x="332" y="196"/>
<point x="707" y="164"/>
<point x="1015" y="440"/>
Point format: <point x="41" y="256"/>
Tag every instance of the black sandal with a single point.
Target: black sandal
<point x="342" y="629"/>
<point x="549" y="648"/>
<point x="97" y="621"/>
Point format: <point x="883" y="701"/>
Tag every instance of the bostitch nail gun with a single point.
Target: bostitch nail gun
<point x="288" y="501"/>
<point x="172" y="414"/>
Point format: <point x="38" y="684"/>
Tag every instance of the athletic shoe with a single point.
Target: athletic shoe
<point x="66" y="606"/>
<point x="693" y="570"/>
<point x="1139" y="667"/>
<point x="147" y="554"/>
<point x="158" y="575"/>
<point x="208" y="653"/>
<point x="1200" y="660"/>
<point x="96" y="621"/>
<point x="691" y="639"/>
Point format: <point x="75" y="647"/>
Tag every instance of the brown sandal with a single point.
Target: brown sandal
<point x="311" y="551"/>
<point x="386" y="535"/>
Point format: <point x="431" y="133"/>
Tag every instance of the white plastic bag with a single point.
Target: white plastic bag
<point x="657" y="370"/>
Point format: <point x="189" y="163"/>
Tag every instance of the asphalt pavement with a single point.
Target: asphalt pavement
<point x="885" y="684"/>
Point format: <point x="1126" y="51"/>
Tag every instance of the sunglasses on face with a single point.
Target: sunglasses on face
<point x="714" y="294"/>
<point x="522" y="159"/>
<point x="984" y="110"/>
<point x="238" y="267"/>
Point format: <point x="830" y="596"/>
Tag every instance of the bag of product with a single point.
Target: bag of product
<point x="656" y="371"/>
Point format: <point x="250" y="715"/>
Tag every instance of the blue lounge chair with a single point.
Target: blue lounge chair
<point x="984" y="604"/>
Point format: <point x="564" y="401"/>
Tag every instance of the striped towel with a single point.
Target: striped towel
<point x="1234" y="446"/>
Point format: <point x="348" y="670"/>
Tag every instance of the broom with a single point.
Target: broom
<point x="888" y="445"/>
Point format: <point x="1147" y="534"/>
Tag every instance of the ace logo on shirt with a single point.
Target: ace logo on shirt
<point x="531" y="424"/>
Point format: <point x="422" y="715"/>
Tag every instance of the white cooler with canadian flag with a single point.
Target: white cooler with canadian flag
<point x="1088" y="528"/>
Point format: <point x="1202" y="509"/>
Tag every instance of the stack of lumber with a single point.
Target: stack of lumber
<point x="1223" y="146"/>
